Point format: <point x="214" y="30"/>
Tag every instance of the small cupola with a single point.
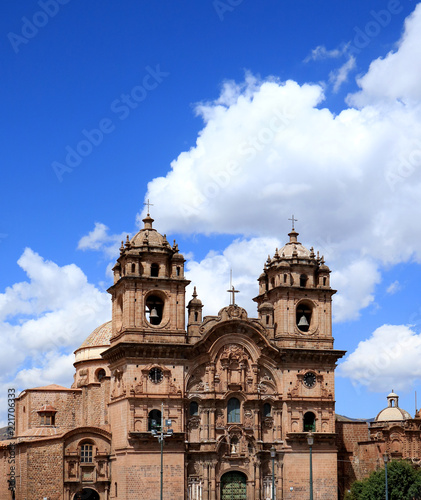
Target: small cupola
<point x="194" y="308"/>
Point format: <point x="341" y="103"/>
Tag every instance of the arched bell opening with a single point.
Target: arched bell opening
<point x="154" y="309"/>
<point x="303" y="316"/>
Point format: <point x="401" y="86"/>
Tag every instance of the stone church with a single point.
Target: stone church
<point x="217" y="409"/>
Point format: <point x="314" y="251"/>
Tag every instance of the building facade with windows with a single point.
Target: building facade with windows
<point x="236" y="396"/>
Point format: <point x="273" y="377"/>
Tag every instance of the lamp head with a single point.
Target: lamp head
<point x="310" y="439"/>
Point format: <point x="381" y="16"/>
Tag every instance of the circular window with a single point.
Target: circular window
<point x="155" y="375"/>
<point x="310" y="379"/>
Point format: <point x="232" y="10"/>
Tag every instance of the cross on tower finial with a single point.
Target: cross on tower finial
<point x="293" y="220"/>
<point x="148" y="204"/>
<point x="233" y="291"/>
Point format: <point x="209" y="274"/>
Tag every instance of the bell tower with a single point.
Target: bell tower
<point x="295" y="298"/>
<point x="148" y="295"/>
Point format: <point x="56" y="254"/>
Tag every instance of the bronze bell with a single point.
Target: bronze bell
<point x="154" y="313"/>
<point x="303" y="321"/>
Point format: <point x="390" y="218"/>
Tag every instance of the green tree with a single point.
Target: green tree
<point x="404" y="483"/>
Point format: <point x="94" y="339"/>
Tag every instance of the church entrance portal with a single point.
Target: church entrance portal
<point x="234" y="486"/>
<point x="86" y="494"/>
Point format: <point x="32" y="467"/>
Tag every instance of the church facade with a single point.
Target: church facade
<point x="218" y="408"/>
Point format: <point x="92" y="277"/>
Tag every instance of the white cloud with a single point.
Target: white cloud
<point x="356" y="283"/>
<point x="269" y="149"/>
<point x="100" y="239"/>
<point x="44" y="319"/>
<point x="340" y="76"/>
<point x="321" y="53"/>
<point x="396" y="76"/>
<point x="393" y="287"/>
<point x="211" y="275"/>
<point x="388" y="359"/>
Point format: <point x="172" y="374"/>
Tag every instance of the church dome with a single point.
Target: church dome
<point x="392" y="412"/>
<point x="149" y="236"/>
<point x="294" y="249"/>
<point x="95" y="344"/>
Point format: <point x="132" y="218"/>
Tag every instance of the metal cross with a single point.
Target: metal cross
<point x="292" y="219"/>
<point x="233" y="291"/>
<point x="151" y="205"/>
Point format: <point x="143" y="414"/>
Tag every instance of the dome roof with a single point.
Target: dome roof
<point x="392" y="412"/>
<point x="195" y="301"/>
<point x="149" y="236"/>
<point x="99" y="337"/>
<point x="266" y="306"/>
<point x="95" y="344"/>
<point x="294" y="248"/>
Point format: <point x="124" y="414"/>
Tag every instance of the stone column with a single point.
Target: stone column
<point x="212" y="466"/>
<point x="212" y="423"/>
<point x="279" y="485"/>
<point x="212" y="376"/>
<point x="257" y="483"/>
<point x="206" y="481"/>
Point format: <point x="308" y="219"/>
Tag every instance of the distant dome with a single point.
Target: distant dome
<point x="392" y="412"/>
<point x="95" y="344"/>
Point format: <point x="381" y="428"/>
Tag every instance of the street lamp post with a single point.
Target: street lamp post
<point x="273" y="455"/>
<point x="385" y="460"/>
<point x="161" y="437"/>
<point x="310" y="441"/>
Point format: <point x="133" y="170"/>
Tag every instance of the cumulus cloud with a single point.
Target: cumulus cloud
<point x="269" y="148"/>
<point x="388" y="359"/>
<point x="212" y="274"/>
<point x="100" y="239"/>
<point x="44" y="319"/>
<point x="396" y="76"/>
<point x="356" y="283"/>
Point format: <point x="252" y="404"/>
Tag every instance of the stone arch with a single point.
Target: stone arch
<point x="86" y="494"/>
<point x="306" y="312"/>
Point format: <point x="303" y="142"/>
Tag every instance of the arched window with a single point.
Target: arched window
<point x="309" y="422"/>
<point x="100" y="374"/>
<point x="324" y="281"/>
<point x="285" y="278"/>
<point x="196" y="316"/>
<point x="267" y="410"/>
<point x="86" y="453"/>
<point x="194" y="409"/>
<point x="178" y="271"/>
<point x="154" y="420"/>
<point x="133" y="268"/>
<point x="154" y="270"/>
<point x="233" y="411"/>
<point x="303" y="280"/>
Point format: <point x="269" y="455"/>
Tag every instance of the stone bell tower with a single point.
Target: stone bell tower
<point x="295" y="298"/>
<point x="148" y="294"/>
<point x="147" y="363"/>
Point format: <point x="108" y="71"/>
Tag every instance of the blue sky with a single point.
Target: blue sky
<point x="230" y="116"/>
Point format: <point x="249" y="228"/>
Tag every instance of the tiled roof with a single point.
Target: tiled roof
<point x="99" y="337"/>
